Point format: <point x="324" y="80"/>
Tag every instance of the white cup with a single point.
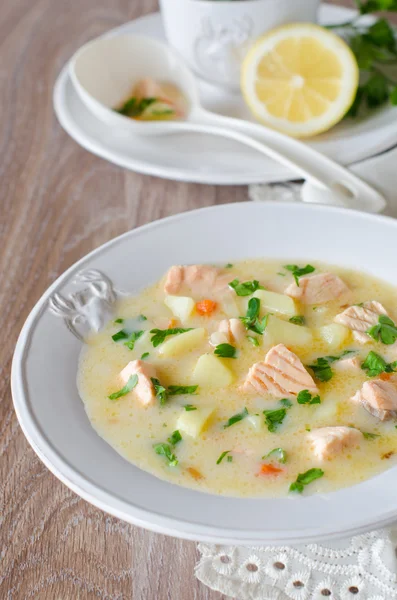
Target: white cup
<point x="213" y="35"/>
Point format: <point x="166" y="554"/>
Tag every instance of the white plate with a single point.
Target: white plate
<point x="206" y="159"/>
<point x="53" y="419"/>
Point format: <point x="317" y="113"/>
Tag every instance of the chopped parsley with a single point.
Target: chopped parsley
<point x="370" y="436"/>
<point x="254" y="341"/>
<point x="274" y="418"/>
<point x="132" y="338"/>
<point x="159" y="335"/>
<point x="298" y="272"/>
<point x="245" y="289"/>
<point x="285" y="402"/>
<point x="145" y="355"/>
<point x="134" y="107"/>
<point x="229" y="266"/>
<point x="304" y="479"/>
<point x="278" y="453"/>
<point x="129" y="386"/>
<point x="297" y="320"/>
<point x="189" y="407"/>
<point x="385" y="331"/>
<point x="305" y="397"/>
<point x="166" y="451"/>
<point x="119" y="321"/>
<point x="251" y="321"/>
<point x="229" y="459"/>
<point x="160" y="391"/>
<point x="225" y="351"/>
<point x="178" y="390"/>
<point x="222" y="456"/>
<point x="375" y="365"/>
<point x="120" y="335"/>
<point x="321" y="367"/>
<point x="142" y="318"/>
<point x="281" y="274"/>
<point x="175" y="438"/>
<point x="236" y="418"/>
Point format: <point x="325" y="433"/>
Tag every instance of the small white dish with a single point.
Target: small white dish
<point x="52" y="416"/>
<point x="213" y="38"/>
<point x="204" y="158"/>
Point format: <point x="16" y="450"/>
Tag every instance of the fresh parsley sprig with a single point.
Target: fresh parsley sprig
<point x="304" y="479"/>
<point x="321" y="366"/>
<point x="385" y="331"/>
<point x="247" y="288"/>
<point x="305" y="397"/>
<point x="298" y="272"/>
<point x="374" y="46"/>
<point x="159" y="335"/>
<point x="166" y="451"/>
<point x="374" y="365"/>
<point x="251" y="321"/>
<point x="236" y="418"/>
<point x="129" y="386"/>
<point x="225" y="351"/>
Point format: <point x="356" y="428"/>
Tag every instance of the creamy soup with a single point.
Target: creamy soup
<point x="251" y="379"/>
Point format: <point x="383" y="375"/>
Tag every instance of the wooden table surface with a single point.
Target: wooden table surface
<point x="58" y="202"/>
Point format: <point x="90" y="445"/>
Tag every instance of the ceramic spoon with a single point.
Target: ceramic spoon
<point x="105" y="70"/>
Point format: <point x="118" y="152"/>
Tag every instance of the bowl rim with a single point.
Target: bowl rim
<point x="93" y="492"/>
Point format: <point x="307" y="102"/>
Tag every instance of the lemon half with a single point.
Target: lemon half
<point x="300" y="79"/>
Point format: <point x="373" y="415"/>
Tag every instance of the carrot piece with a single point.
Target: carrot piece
<point x="172" y="323"/>
<point x="385" y="376"/>
<point x="194" y="473"/>
<point x="269" y="469"/>
<point x="206" y="307"/>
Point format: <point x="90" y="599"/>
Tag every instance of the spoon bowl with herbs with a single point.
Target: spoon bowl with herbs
<point x="140" y="86"/>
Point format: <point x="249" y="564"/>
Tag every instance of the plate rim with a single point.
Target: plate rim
<point x="94" y="493"/>
<point x="85" y="140"/>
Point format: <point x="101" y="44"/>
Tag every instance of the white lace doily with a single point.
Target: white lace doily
<point x="361" y="568"/>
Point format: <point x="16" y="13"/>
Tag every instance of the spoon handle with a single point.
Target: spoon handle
<point x="323" y="173"/>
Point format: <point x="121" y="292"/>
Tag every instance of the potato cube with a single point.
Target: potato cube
<point x="210" y="371"/>
<point x="256" y="422"/>
<point x="335" y="335"/>
<point x="283" y="332"/>
<point x="182" y="342"/>
<point x="276" y="302"/>
<point x="193" y="422"/>
<point x="180" y="306"/>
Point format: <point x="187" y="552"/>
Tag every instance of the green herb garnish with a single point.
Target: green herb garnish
<point x="189" y="407"/>
<point x="385" y="331"/>
<point x="119" y="321"/>
<point x="278" y="453"/>
<point x="370" y="436"/>
<point x="175" y="438"/>
<point x="285" y="402"/>
<point x="245" y="289"/>
<point x="145" y="355"/>
<point x="375" y="365"/>
<point x="165" y="450"/>
<point x="222" y="456"/>
<point x="178" y="390"/>
<point x="129" y="386"/>
<point x="229" y="459"/>
<point x="305" y="397"/>
<point x="236" y="418"/>
<point x="142" y="318"/>
<point x="374" y="46"/>
<point x="251" y="321"/>
<point x="298" y="320"/>
<point x="304" y="479"/>
<point x="225" y="351"/>
<point x="132" y="338"/>
<point x="321" y="367"/>
<point x="254" y="341"/>
<point x="134" y="107"/>
<point x="298" y="272"/>
<point x="229" y="266"/>
<point x="159" y="335"/>
<point x="160" y="391"/>
<point x="274" y="418"/>
<point x="120" y="335"/>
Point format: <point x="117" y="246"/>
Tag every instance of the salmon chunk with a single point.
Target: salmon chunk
<point x="144" y="389"/>
<point x="202" y="280"/>
<point x="318" y="289"/>
<point x="347" y="364"/>
<point x="281" y="375"/>
<point x="230" y="331"/>
<point x="360" y="318"/>
<point x="329" y="441"/>
<point x="379" y="397"/>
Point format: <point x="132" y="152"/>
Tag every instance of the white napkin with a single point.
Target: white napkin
<point x="360" y="568"/>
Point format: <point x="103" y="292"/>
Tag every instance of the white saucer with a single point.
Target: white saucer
<point x="206" y="159"/>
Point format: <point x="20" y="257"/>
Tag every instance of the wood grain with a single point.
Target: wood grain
<point x="57" y="203"/>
